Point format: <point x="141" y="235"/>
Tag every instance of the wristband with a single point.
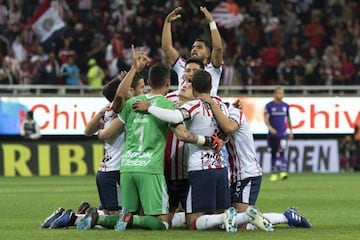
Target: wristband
<point x="212" y="25"/>
<point x="200" y="140"/>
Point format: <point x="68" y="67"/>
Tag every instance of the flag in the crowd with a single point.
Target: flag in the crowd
<point x="46" y="21"/>
<point x="226" y="16"/>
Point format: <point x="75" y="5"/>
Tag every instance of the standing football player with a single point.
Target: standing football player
<point x="277" y="120"/>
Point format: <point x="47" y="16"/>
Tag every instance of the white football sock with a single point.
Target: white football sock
<point x="178" y="219"/>
<point x="209" y="221"/>
<point x="276" y="218"/>
<point x="101" y="212"/>
<point x="241" y="218"/>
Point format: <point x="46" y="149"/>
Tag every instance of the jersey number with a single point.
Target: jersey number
<point x="140" y="132"/>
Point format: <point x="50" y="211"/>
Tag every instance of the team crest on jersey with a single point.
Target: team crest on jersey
<point x="284" y="109"/>
<point x="185" y="113"/>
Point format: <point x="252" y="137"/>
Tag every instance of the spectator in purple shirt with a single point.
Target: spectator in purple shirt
<point x="277" y="119"/>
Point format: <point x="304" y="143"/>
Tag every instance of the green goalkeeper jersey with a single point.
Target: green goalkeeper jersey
<point x="145" y="137"/>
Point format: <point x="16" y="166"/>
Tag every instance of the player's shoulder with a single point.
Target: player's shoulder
<point x="217" y="98"/>
<point x="160" y="101"/>
<point x="131" y="100"/>
<point x="236" y="111"/>
<point x="210" y="65"/>
<point x="191" y="105"/>
<point x="233" y="109"/>
<point x="285" y="103"/>
<point x="219" y="101"/>
<point x="173" y="96"/>
<point x="157" y="98"/>
<point x="179" y="62"/>
<point x="270" y="103"/>
<point x="194" y="102"/>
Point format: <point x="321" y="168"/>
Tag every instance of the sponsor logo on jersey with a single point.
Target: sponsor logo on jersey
<point x="132" y="155"/>
<point x="135" y="163"/>
<point x="141" y="120"/>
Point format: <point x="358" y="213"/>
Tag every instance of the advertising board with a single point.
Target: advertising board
<point x="69" y="115"/>
<point x="79" y="157"/>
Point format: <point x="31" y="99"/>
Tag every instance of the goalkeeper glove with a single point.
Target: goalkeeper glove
<point x="214" y="142"/>
<point x="210" y="141"/>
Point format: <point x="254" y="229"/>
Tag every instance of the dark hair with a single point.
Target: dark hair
<point x="136" y="80"/>
<point x="206" y="43"/>
<point x="158" y="74"/>
<point x="196" y="61"/>
<point x="201" y="81"/>
<point x="30" y="114"/>
<point x="109" y="90"/>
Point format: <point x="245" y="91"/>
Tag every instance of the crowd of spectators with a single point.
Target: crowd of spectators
<point x="289" y="42"/>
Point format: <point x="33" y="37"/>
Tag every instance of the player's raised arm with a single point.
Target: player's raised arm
<point x="115" y="125"/>
<point x="139" y="61"/>
<point x="217" y="47"/>
<point x="96" y="123"/>
<point x="166" y="38"/>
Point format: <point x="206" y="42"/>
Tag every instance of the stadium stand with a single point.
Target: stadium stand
<point x="309" y="47"/>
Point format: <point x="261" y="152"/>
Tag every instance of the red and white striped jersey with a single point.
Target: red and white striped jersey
<point x="113" y="146"/>
<point x="203" y="122"/>
<point x="241" y="149"/>
<point x="176" y="157"/>
<point x="179" y="68"/>
<point x="176" y="152"/>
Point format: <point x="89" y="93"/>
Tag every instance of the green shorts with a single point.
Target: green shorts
<point x="144" y="190"/>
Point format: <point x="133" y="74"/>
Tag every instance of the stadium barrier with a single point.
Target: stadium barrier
<point x="320" y="155"/>
<point x="80" y="156"/>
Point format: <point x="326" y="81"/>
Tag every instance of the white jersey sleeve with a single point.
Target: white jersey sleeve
<point x="215" y="77"/>
<point x="113" y="147"/>
<point x="179" y="68"/>
<point x="241" y="149"/>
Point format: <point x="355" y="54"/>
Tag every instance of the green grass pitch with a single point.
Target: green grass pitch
<point x="330" y="201"/>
